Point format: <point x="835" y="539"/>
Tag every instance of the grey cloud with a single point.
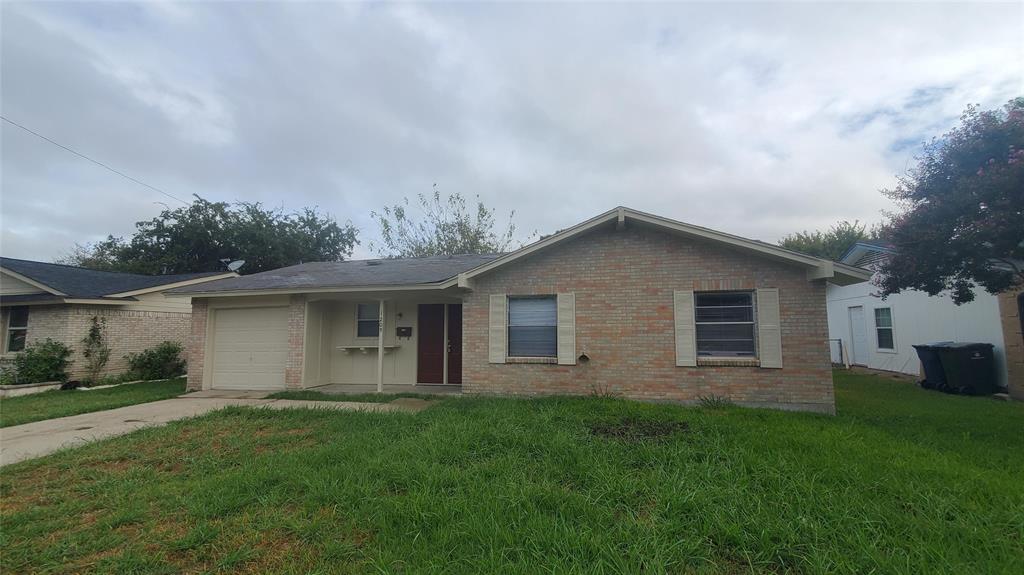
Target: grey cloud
<point x="756" y="119"/>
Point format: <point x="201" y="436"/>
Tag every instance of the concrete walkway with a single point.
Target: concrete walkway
<point x="21" y="442"/>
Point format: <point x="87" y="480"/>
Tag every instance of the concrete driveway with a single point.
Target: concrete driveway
<point x="20" y="442"/>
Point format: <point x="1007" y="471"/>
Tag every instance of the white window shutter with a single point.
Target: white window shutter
<point x="566" y="329"/>
<point x="769" y="328"/>
<point x="686" y="330"/>
<point x="497" y="328"/>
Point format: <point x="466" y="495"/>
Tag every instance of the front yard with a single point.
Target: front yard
<point x="61" y="403"/>
<point x="901" y="481"/>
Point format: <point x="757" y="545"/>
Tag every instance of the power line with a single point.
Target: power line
<point x="97" y="162"/>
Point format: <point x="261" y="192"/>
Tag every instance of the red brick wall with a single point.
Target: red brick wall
<point x="624" y="281"/>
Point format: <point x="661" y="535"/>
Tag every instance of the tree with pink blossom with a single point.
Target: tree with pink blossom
<point x="960" y="220"/>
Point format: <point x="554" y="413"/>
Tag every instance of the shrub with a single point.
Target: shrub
<point x="95" y="350"/>
<point x="715" y="401"/>
<point x="42" y="361"/>
<point x="160" y="362"/>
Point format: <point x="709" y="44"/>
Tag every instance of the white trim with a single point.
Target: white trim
<point x="356" y="320"/>
<point x="31" y="281"/>
<point x="64" y="300"/>
<point x="380" y="346"/>
<point x="891" y="328"/>
<point x="183" y="283"/>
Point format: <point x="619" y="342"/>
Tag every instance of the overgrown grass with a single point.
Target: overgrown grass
<point x="890" y="485"/>
<point x="358" y="397"/>
<point x="60" y="403"/>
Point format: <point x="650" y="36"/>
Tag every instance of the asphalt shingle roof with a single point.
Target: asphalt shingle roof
<point x="382" y="272"/>
<point x="79" y="282"/>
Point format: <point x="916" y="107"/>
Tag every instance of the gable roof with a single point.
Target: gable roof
<point x="82" y="283"/>
<point x="441" y="272"/>
<point x="398" y="272"/>
<point x="816" y="268"/>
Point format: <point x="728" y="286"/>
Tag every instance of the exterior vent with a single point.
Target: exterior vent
<point x="373" y="262"/>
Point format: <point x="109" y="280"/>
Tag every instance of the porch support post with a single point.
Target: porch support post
<point x="380" y="347"/>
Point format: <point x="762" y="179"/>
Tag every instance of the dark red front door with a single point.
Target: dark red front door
<point x="455" y="343"/>
<point x="430" y="349"/>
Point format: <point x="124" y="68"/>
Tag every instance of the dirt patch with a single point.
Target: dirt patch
<point x="632" y="429"/>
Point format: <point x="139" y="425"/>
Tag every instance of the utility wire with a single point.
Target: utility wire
<point x="97" y="162"/>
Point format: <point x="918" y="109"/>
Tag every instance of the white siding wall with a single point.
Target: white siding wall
<point x="354" y="366"/>
<point x="917" y="318"/>
<point x="10" y="285"/>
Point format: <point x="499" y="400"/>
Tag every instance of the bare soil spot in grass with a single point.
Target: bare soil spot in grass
<point x="633" y="429"/>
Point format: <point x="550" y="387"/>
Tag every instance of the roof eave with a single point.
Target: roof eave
<point x="336" y="289"/>
<point x="173" y="285"/>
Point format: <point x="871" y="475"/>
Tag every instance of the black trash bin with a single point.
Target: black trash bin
<point x="969" y="368"/>
<point x="934" y="376"/>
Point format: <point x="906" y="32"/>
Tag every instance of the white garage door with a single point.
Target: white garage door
<point x="250" y="347"/>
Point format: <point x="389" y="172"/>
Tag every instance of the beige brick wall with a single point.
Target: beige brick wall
<point x="197" y="344"/>
<point x="624" y="283"/>
<point x="296" y="342"/>
<point x="126" y="331"/>
<point x="1013" y="341"/>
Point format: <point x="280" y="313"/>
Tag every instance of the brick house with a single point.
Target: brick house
<point x="626" y="303"/>
<point x="41" y="300"/>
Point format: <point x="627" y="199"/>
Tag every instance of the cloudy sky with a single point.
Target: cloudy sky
<point x="756" y="119"/>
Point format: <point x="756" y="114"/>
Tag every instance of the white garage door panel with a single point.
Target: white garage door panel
<point x="250" y="348"/>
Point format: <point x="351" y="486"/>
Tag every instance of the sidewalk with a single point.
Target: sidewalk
<point x="21" y="442"/>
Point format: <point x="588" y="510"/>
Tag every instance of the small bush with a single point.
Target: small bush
<point x="42" y="361"/>
<point x="715" y="402"/>
<point x="95" y="350"/>
<point x="160" y="362"/>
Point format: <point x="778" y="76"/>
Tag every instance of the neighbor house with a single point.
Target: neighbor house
<point x="626" y="303"/>
<point x="880" y="334"/>
<point x="41" y="300"/>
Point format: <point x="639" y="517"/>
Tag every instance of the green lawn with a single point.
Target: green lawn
<point x="310" y="395"/>
<point x="901" y="481"/>
<point x="50" y="404"/>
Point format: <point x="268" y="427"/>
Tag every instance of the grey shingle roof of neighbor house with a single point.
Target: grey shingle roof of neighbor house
<point x="76" y="282"/>
<point x="352" y="273"/>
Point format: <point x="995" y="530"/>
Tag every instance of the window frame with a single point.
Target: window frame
<point x="508" y="328"/>
<point x="891" y="327"/>
<point x="8" y="329"/>
<point x="753" y="323"/>
<point x="375" y="320"/>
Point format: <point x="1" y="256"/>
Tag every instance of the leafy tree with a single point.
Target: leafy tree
<point x="831" y="244"/>
<point x="195" y="238"/>
<point x="95" y="349"/>
<point x="448" y="226"/>
<point x="961" y="221"/>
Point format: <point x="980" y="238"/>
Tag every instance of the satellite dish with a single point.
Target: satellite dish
<point x="233" y="266"/>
